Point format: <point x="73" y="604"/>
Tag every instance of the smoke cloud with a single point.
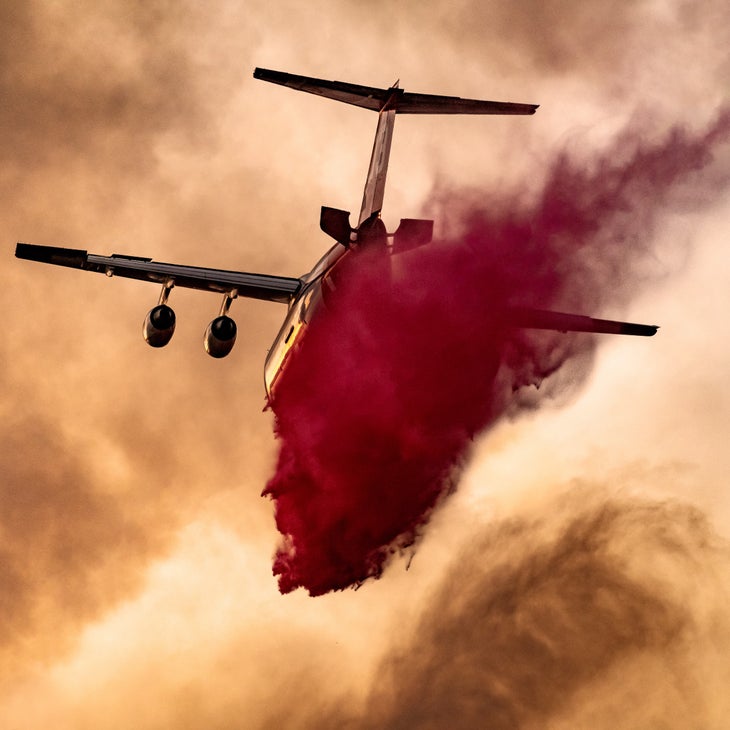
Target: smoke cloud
<point x="134" y="546"/>
<point x="378" y="410"/>
<point x="91" y="483"/>
<point x="68" y="550"/>
<point x="542" y="619"/>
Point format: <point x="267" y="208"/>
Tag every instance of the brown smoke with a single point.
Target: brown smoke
<point x="93" y="478"/>
<point x="542" y="617"/>
<point x="68" y="550"/>
<point x="135" y="127"/>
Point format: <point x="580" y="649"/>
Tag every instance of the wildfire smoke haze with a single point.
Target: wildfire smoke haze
<point x="571" y="616"/>
<point x="578" y="576"/>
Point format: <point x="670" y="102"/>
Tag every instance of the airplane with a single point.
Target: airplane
<point x="305" y="294"/>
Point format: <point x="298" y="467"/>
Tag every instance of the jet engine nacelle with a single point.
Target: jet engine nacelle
<point x="220" y="336"/>
<point x="159" y="325"/>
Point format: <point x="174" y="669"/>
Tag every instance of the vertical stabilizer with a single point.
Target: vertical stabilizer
<point x="372" y="199"/>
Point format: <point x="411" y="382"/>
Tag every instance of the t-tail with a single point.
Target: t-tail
<point x="414" y="232"/>
<point x="387" y="103"/>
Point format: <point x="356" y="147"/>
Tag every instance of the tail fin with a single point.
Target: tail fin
<point x="388" y="103"/>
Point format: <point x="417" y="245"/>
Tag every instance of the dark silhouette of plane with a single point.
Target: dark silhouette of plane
<point x="305" y="294"/>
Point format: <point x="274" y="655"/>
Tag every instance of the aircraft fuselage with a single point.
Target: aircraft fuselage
<point x="301" y="310"/>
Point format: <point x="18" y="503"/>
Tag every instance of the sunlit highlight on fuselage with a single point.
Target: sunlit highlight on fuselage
<point x="317" y="284"/>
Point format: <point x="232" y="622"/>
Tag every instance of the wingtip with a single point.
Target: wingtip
<point x="642" y="330"/>
<point x="25" y="251"/>
<point x="73" y="257"/>
<point x="267" y="74"/>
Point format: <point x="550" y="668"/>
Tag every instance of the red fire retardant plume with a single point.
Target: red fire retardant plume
<point x="378" y="408"/>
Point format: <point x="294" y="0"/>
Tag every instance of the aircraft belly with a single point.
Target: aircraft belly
<point x="291" y="333"/>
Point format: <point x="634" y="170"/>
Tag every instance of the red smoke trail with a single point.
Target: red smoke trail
<point x="378" y="409"/>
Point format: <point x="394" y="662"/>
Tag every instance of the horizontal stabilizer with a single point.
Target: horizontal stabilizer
<point x="370" y="97"/>
<point x="561" y="322"/>
<point x="364" y="96"/>
<point x="431" y="104"/>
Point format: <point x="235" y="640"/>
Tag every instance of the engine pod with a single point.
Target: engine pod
<point x="159" y="325"/>
<point x="220" y="336"/>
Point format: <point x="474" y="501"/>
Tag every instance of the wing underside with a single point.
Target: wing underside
<point x="255" y="286"/>
<point x="562" y="322"/>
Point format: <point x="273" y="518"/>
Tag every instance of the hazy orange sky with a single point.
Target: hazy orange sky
<point x="579" y="576"/>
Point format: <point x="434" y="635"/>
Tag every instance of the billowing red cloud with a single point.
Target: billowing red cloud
<point x="379" y="407"/>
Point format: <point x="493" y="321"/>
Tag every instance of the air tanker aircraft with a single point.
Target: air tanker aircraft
<point x="305" y="294"/>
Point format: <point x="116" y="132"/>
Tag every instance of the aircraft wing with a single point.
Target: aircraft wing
<point x="546" y="320"/>
<point x="256" y="286"/>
